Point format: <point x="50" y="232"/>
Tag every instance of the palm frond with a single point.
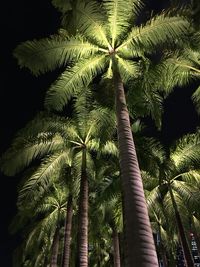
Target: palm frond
<point x="196" y="99"/>
<point x="186" y="151"/>
<point x="158" y="30"/>
<point x="36" y="185"/>
<point x="104" y="123"/>
<point x="110" y="148"/>
<point x="62" y="5"/>
<point x="191" y="177"/>
<point x="72" y="80"/>
<point x="184" y="190"/>
<point x="48" y="54"/>
<point x="145" y="102"/>
<point x="128" y="69"/>
<point x="89" y="20"/>
<point x="118" y="21"/>
<point x="17" y="158"/>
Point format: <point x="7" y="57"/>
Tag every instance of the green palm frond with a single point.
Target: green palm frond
<point x="174" y="73"/>
<point x="104" y="121"/>
<point x="149" y="181"/>
<point x="186" y="152"/>
<point x="15" y="160"/>
<point x="36" y="185"/>
<point x="145" y="102"/>
<point x="118" y="21"/>
<point x="48" y="54"/>
<point x="184" y="190"/>
<point x="158" y="30"/>
<point x="128" y="69"/>
<point x="196" y="99"/>
<point x="192" y="177"/>
<point x="72" y="80"/>
<point x="110" y="148"/>
<point x="181" y="207"/>
<point x="152" y="196"/>
<point x="90" y="21"/>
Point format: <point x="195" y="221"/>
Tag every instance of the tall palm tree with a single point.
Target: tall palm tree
<point x="107" y="42"/>
<point x="174" y="184"/>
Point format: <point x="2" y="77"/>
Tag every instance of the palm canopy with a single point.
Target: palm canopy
<point x="41" y="222"/>
<point x="55" y="143"/>
<point x="103" y="36"/>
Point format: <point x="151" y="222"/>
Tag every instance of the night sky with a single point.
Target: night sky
<point x="22" y="95"/>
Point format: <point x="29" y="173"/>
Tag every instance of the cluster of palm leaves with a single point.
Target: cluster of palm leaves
<point x="83" y="200"/>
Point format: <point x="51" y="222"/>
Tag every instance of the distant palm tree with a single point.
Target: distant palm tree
<point x="175" y="184"/>
<point x="106" y="42"/>
<point x="42" y="228"/>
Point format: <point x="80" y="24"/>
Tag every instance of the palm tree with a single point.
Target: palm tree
<point x="42" y="228"/>
<point x="107" y="43"/>
<point x="174" y="184"/>
<point x="58" y="141"/>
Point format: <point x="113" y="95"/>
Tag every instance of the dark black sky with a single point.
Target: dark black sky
<point x="21" y="96"/>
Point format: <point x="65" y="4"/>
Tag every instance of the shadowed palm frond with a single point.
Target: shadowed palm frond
<point x="196" y="99"/>
<point x="62" y="5"/>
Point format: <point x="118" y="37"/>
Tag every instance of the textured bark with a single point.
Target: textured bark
<point x="139" y="244"/>
<point x="82" y="238"/>
<point x="186" y="250"/>
<point x="55" y="248"/>
<point x="116" y="252"/>
<point x="67" y="234"/>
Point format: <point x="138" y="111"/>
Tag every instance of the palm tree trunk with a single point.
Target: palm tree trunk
<point x="82" y="238"/>
<point x="139" y="244"/>
<point x="116" y="252"/>
<point x="186" y="250"/>
<point x="55" y="248"/>
<point x="67" y="234"/>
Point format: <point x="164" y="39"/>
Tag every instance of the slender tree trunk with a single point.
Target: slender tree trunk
<point x="139" y="243"/>
<point x="55" y="248"/>
<point x="82" y="238"/>
<point x="67" y="234"/>
<point x="186" y="250"/>
<point x="116" y="252"/>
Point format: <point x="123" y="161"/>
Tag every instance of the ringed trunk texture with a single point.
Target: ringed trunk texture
<point x="116" y="252"/>
<point x="55" y="248"/>
<point x="67" y="234"/>
<point x="82" y="238"/>
<point x="186" y="250"/>
<point x="139" y="243"/>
